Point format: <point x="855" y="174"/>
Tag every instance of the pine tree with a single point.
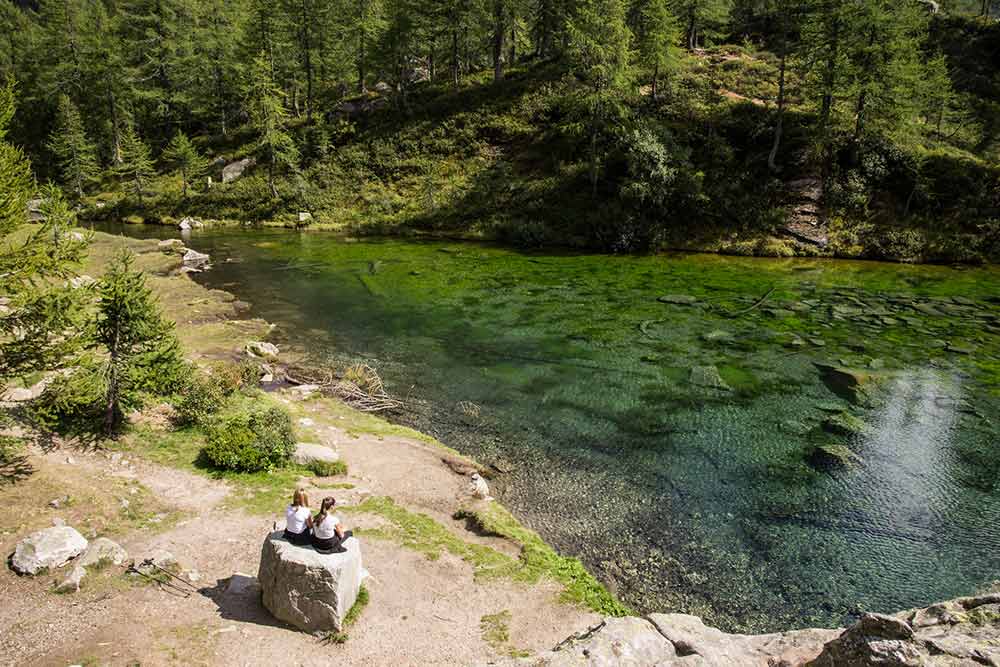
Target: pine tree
<point x="599" y="49"/>
<point x="657" y="39"/>
<point x="39" y="321"/>
<point x="143" y="354"/>
<point x="136" y="167"/>
<point x="185" y="159"/>
<point x="75" y="154"/>
<point x="266" y="104"/>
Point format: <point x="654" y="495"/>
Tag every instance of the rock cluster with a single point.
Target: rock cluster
<point x="965" y="631"/>
<point x="306" y="589"/>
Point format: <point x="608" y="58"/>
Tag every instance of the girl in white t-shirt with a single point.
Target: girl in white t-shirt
<point x="298" y="519"/>
<point x="328" y="533"/>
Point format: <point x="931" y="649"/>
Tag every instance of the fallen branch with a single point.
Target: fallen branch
<point x="755" y="304"/>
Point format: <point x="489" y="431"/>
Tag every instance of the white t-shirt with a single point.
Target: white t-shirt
<point x="328" y="528"/>
<point x="295" y="518"/>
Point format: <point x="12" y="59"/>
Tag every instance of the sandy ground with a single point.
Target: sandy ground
<point x="422" y="611"/>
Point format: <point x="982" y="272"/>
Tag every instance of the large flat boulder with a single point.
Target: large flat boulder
<point x="46" y="549"/>
<point x="306" y="589"/>
<point x="307" y="452"/>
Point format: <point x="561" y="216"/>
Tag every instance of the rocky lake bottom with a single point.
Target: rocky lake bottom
<point x="765" y="443"/>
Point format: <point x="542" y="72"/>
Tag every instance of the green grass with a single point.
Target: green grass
<point x="495" y="629"/>
<point x="341" y="636"/>
<point x="536" y="561"/>
<point x="327" y="468"/>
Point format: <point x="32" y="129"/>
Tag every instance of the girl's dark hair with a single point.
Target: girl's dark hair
<point x="327" y="504"/>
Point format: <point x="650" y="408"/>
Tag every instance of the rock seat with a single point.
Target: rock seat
<point x="309" y="590"/>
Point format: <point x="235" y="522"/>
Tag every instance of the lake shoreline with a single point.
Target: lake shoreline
<point x="760" y="245"/>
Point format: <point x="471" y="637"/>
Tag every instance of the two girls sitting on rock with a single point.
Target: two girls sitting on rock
<point x="324" y="531"/>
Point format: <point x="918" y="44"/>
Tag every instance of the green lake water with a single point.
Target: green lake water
<point x="689" y="450"/>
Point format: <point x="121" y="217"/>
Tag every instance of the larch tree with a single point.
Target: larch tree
<point x="185" y="160"/>
<point x="266" y="104"/>
<point x="136" y="166"/>
<point x="75" y="153"/>
<point x="599" y="50"/>
<point x="657" y="38"/>
<point x="40" y="321"/>
<point x="143" y="353"/>
<point x="699" y="17"/>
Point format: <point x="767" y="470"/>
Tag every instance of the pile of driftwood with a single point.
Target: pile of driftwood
<point x="360" y="386"/>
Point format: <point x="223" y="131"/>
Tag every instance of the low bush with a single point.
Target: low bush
<point x="250" y="442"/>
<point x="201" y="399"/>
<point x="73" y="404"/>
<point x="327" y="468"/>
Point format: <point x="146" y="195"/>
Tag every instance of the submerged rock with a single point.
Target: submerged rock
<point x="718" y="336"/>
<point x="708" y="377"/>
<point x="195" y="260"/>
<point x="678" y="299"/>
<point x="853" y="384"/>
<point x="844" y="423"/>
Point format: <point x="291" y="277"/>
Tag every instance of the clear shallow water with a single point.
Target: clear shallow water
<point x="708" y="490"/>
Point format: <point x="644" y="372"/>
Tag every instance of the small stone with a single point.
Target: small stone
<point x="707" y="376"/>
<point x="195" y="260"/>
<point x="103" y="549"/>
<point x="261" y="350"/>
<point x="71" y="584"/>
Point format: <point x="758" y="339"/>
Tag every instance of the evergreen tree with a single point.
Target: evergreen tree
<point x="700" y="17"/>
<point x="40" y="318"/>
<point x="143" y="354"/>
<point x="268" y="117"/>
<point x="74" y="152"/>
<point x="657" y="38"/>
<point x="136" y="167"/>
<point x="599" y="49"/>
<point x="185" y="159"/>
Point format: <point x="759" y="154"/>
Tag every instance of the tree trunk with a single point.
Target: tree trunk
<point x="361" y="58"/>
<point x="513" y="43"/>
<point x="454" y="58"/>
<point x="307" y="60"/>
<point x="779" y="125"/>
<point x="116" y="144"/>
<point x="498" y="35"/>
<point x="111" y="405"/>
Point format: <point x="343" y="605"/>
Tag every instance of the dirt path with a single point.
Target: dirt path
<point x="422" y="611"/>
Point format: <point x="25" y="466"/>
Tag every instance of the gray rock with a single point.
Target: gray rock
<point x="77" y="282"/>
<point x="303" y="390"/>
<point x="306" y="589"/>
<point x="46" y="549"/>
<point x="307" y="452"/>
<point x="103" y="550"/>
<point x="234" y="170"/>
<point x="188" y="223"/>
<point x="34" y="210"/>
<point x="261" y="350"/>
<point x="71" y="584"/>
<point x="304" y="217"/>
<point x="170" y="244"/>
<point x="195" y="260"/>
<point x="241" y="585"/>
<point x="718" y="336"/>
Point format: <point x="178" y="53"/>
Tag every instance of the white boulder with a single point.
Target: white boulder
<point x="261" y="350"/>
<point x="103" y="550"/>
<point x="479" y="488"/>
<point x="307" y="452"/>
<point x="195" y="260"/>
<point x="306" y="589"/>
<point x="48" y="548"/>
<point x="234" y="170"/>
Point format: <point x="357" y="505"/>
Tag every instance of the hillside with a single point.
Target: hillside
<point x="768" y="133"/>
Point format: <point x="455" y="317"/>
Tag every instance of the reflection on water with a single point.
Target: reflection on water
<point x="693" y="458"/>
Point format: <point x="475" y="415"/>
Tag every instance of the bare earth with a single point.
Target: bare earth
<point x="421" y="611"/>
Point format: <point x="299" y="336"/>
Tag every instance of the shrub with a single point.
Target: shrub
<point x="327" y="468"/>
<point x="202" y="397"/>
<point x="251" y="442"/>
